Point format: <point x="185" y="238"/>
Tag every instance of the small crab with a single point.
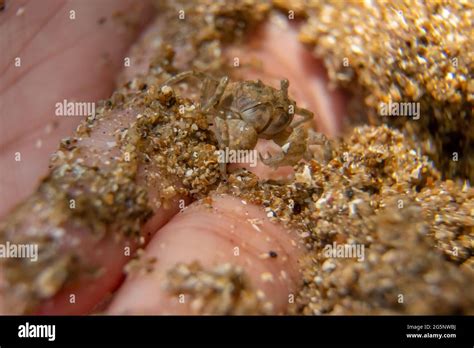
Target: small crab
<point x="245" y="111"/>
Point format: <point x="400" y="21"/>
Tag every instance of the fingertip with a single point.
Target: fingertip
<point x="228" y="231"/>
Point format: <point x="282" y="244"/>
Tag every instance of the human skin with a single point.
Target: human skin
<point x="70" y="66"/>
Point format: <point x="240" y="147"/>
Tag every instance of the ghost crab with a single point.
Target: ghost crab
<point x="244" y="111"/>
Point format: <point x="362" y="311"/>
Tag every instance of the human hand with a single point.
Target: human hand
<point x="76" y="67"/>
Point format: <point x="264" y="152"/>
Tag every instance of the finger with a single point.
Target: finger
<point x="106" y="254"/>
<point x="50" y="54"/>
<point x="263" y="58"/>
<point x="228" y="231"/>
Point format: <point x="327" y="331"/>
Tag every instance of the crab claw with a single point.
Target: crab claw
<point x="272" y="161"/>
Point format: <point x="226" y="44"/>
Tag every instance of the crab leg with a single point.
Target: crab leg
<point x="184" y="75"/>
<point x="217" y="95"/>
<point x="307" y="115"/>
